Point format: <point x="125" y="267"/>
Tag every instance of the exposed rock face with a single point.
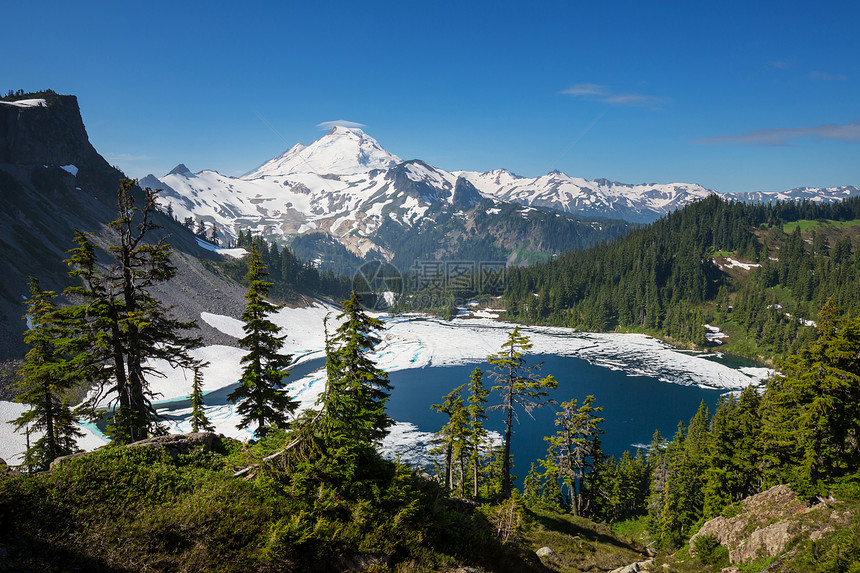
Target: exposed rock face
<point x="53" y="181"/>
<point x="49" y="135"/>
<point x="765" y="527"/>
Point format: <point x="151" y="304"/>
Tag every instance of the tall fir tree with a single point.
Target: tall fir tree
<point x="259" y="397"/>
<point x="520" y="387"/>
<point x="356" y="390"/>
<point x="477" y="412"/>
<point x="47" y="376"/>
<point x="575" y="454"/>
<point x="121" y="326"/>
<point x="810" y="413"/>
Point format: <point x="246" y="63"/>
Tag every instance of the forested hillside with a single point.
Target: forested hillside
<point x="676" y="275"/>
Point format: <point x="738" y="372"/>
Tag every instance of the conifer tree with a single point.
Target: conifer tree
<point x="477" y="412"/>
<point x="453" y="435"/>
<point x="47" y="375"/>
<point x="199" y="421"/>
<point x="520" y="387"/>
<point x="356" y="390"/>
<point x="575" y="452"/>
<point x="120" y="325"/>
<point x="811" y="413"/>
<point x="259" y="397"/>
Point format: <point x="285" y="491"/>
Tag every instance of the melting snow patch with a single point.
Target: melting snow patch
<point x="714" y="334"/>
<point x="235" y="253"/>
<point x="732" y="263"/>
<point x="226" y="324"/>
<point x="70" y="168"/>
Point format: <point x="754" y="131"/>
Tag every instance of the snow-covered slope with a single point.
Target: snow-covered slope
<point x="343" y="151"/>
<point x="343" y="184"/>
<point x="597" y="198"/>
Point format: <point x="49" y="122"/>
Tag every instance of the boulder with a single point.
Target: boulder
<point x="5" y="470"/>
<point x="179" y="444"/>
<point x="638" y="567"/>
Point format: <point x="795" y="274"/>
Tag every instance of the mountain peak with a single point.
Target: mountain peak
<point x="342" y="151"/>
<point x="344" y="130"/>
<point x="180" y="169"/>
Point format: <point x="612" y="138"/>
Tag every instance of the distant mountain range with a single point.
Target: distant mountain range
<point x="347" y="186"/>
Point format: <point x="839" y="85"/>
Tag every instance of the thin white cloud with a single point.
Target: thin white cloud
<point x="601" y="93"/>
<point x="825" y="76"/>
<point x="849" y="132"/>
<point x="779" y="64"/>
<point x="339" y="122"/>
<point x="586" y="90"/>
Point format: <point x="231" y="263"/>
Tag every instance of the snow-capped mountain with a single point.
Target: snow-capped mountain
<point x="343" y="151"/>
<point x="817" y="194"/>
<point x="344" y="184"/>
<point x="598" y="198"/>
<point x="348" y="187"/>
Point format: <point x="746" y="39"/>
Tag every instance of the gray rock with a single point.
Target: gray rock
<point x="638" y="567"/>
<point x="545" y="552"/>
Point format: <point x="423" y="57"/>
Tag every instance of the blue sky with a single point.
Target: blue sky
<point x="747" y="96"/>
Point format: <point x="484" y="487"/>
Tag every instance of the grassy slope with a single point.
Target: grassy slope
<point x="135" y="509"/>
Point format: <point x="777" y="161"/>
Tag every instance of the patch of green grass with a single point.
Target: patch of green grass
<point x="579" y="544"/>
<point x="756" y="565"/>
<point x="807" y="225"/>
<point x="633" y="529"/>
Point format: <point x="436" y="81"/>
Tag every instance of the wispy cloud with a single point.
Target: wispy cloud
<point x="601" y="93"/>
<point x="849" y="132"/>
<point x="825" y="76"/>
<point x="339" y="122"/>
<point x="779" y="64"/>
<point x="127" y="157"/>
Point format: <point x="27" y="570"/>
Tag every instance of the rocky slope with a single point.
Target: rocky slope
<point x="52" y="181"/>
<point x="774" y="524"/>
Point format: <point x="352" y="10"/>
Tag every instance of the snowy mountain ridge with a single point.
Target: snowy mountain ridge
<point x="349" y="187"/>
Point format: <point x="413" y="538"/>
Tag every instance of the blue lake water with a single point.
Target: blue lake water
<point x="633" y="406"/>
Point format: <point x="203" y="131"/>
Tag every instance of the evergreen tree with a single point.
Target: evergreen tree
<point x="199" y="421"/>
<point x="47" y="377"/>
<point x="453" y="435"/>
<point x="120" y="325"/>
<point x="477" y="412"/>
<point x="520" y="387"/>
<point x="259" y="397"/>
<point x="811" y="413"/>
<point x="356" y="390"/>
<point x="575" y="453"/>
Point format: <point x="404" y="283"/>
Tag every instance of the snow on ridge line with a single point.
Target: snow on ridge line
<point x="27" y="103"/>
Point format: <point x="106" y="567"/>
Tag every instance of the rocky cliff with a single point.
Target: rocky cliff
<point x="53" y="181"/>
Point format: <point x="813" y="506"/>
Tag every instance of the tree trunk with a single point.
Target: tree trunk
<point x="506" y="461"/>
